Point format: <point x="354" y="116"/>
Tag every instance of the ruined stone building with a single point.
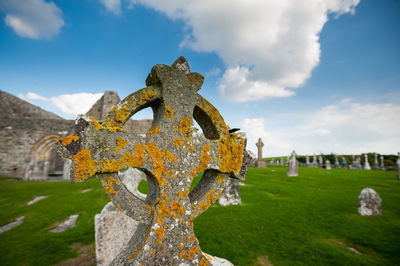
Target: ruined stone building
<point x="27" y="135"/>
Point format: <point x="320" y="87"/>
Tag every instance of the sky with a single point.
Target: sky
<point x="315" y="76"/>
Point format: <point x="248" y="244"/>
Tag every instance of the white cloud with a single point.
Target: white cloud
<point x="35" y="19"/>
<point x="344" y="128"/>
<point x="273" y="45"/>
<point x="70" y="105"/>
<point x="114" y="6"/>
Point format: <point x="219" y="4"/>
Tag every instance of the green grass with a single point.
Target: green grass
<point x="307" y="220"/>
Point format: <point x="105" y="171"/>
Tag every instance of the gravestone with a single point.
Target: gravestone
<point x="293" y="166"/>
<point x="337" y="165"/>
<point x="376" y="164"/>
<point x="307" y="161"/>
<point x="169" y="157"/>
<point x="382" y="166"/>
<point x="369" y="203"/>
<point x="328" y="165"/>
<point x="366" y="163"/>
<point x="314" y="163"/>
<point x="260" y="163"/>
<point x="398" y="166"/>
<point x="357" y="164"/>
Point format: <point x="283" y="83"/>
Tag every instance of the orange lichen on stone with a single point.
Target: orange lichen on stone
<point x="220" y="178"/>
<point x="178" y="142"/>
<point x="107" y="149"/>
<point x="108" y="188"/>
<point x="185" y="127"/>
<point x="204" y="159"/>
<point x="136" y="251"/>
<point x="110" y="166"/>
<point x="176" y="208"/>
<point x="169" y="113"/>
<point x="160" y="233"/>
<point x="67" y="140"/>
<point x="85" y="165"/>
<point x="96" y="123"/>
<point x="192" y="252"/>
<point x="137" y="158"/>
<point x="168" y="155"/>
<point x="121" y="143"/>
<point x="122" y="114"/>
<point x="162" y="209"/>
<point x="159" y="169"/>
<point x="203" y="262"/>
<point x="154" y="131"/>
<point x="231" y="153"/>
<point x="215" y="116"/>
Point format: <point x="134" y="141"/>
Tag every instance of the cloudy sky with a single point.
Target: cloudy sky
<point x="311" y="75"/>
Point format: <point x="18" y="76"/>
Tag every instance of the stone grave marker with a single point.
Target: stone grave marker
<point x="369" y="203"/>
<point x="366" y="163"/>
<point x="382" y="165"/>
<point x="328" y="165"/>
<point x="307" y="161"/>
<point x="376" y="164"/>
<point x="314" y="163"/>
<point x="337" y="165"/>
<point x="169" y="155"/>
<point x="260" y="162"/>
<point x="293" y="166"/>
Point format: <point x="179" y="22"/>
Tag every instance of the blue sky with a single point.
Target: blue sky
<point x="313" y="75"/>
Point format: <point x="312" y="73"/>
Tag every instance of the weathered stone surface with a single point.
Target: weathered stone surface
<point x="12" y="225"/>
<point x="366" y="163"/>
<point x="369" y="203"/>
<point x="69" y="223"/>
<point x="113" y="230"/>
<point x="337" y="165"/>
<point x="293" y="166"/>
<point x="382" y="164"/>
<point x="169" y="154"/>
<point x="131" y="178"/>
<point x="314" y="163"/>
<point x="376" y="163"/>
<point x="36" y="199"/>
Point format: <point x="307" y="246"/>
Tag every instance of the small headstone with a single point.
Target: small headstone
<point x="376" y="164"/>
<point x="12" y="225"/>
<point x="307" y="161"/>
<point x="337" y="165"/>
<point x="369" y="203"/>
<point x="260" y="163"/>
<point x="36" y="199"/>
<point x="293" y="166"/>
<point x="281" y="161"/>
<point x="366" y="163"/>
<point x="70" y="222"/>
<point x="382" y="166"/>
<point x="314" y="163"/>
<point x="328" y="165"/>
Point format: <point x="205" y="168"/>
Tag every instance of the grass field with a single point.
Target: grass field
<point x="307" y="220"/>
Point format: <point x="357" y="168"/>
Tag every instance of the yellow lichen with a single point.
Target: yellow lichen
<point x="204" y="159"/>
<point x="168" y="155"/>
<point x="122" y="114"/>
<point x="121" y="143"/>
<point x="178" y="142"/>
<point x="137" y="158"/>
<point x="67" y="140"/>
<point x="96" y="123"/>
<point x="85" y="166"/>
<point x="111" y="166"/>
<point x="231" y="153"/>
<point x="185" y="127"/>
<point x="160" y="233"/>
<point x="154" y="131"/>
<point x="108" y="188"/>
<point x="169" y="113"/>
<point x="176" y="208"/>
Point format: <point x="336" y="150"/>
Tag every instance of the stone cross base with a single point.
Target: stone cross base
<point x="261" y="164"/>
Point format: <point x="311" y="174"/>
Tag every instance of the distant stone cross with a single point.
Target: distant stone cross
<point x="171" y="154"/>
<point x="260" y="145"/>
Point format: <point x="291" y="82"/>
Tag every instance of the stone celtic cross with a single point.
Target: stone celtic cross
<point x="171" y="154"/>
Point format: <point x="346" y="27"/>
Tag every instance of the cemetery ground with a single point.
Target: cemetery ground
<point x="311" y="219"/>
